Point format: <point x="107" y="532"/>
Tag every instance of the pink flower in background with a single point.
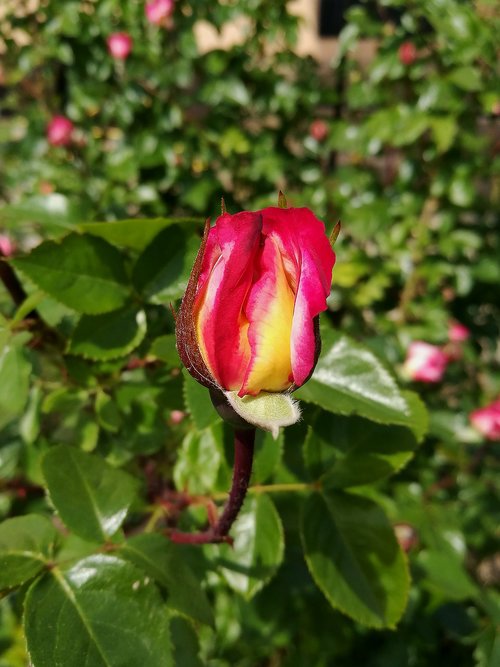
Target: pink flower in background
<point x="59" y="131"/>
<point x="176" y="416"/>
<point x="425" y="362"/>
<point x="318" y="130"/>
<point x="7" y="246"/>
<point x="248" y="321"/>
<point x="406" y="535"/>
<point x="119" y="45"/>
<point x="458" y="333"/>
<point x="407" y="53"/>
<point x="487" y="420"/>
<point x="159" y="10"/>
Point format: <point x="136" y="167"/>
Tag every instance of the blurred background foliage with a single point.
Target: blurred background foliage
<point x="402" y="146"/>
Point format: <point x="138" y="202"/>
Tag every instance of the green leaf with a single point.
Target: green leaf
<point x="164" y="348"/>
<point x="198" y="403"/>
<point x="135" y="234"/>
<point x="103" y="612"/>
<point x="107" y="412"/>
<point x="258" y="547"/>
<point x="165" y="563"/>
<point x="444" y="572"/>
<point x="350" y="451"/>
<point x="53" y="209"/>
<point x="15" y="371"/>
<point x="268" y="453"/>
<point x="349" y="379"/>
<point x="199" y="460"/>
<point x="185" y="643"/>
<point x="26" y="547"/>
<point x="82" y="272"/>
<point x="467" y="78"/>
<point x="162" y="270"/>
<point x="91" y="497"/>
<point x="107" y="336"/>
<point x="354" y="558"/>
<point x="29" y="425"/>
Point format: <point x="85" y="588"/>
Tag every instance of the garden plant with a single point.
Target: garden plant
<point x="213" y="450"/>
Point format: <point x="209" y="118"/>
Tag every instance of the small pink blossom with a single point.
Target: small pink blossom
<point x="458" y="333"/>
<point x="407" y="53"/>
<point x="425" y="362"/>
<point x="318" y="130"/>
<point x="487" y="420"/>
<point x="159" y="10"/>
<point x="176" y="416"/>
<point x="406" y="535"/>
<point x="59" y="131"/>
<point x="7" y="246"/>
<point x="119" y="45"/>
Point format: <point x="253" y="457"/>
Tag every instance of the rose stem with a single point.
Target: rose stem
<point x="244" y="441"/>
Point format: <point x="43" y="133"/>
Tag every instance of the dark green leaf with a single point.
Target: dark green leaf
<point x="107" y="412"/>
<point x="354" y="558"/>
<point x="26" y="547"/>
<point x="103" y="612"/>
<point x="92" y="498"/>
<point x="163" y="269"/>
<point x="349" y="379"/>
<point x="164" y="562"/>
<point x="350" y="451"/>
<point x="82" y="272"/>
<point x="258" y="547"/>
<point x="110" y="335"/>
<point x="268" y="452"/>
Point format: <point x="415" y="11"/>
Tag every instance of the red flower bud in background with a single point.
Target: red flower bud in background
<point x="487" y="420"/>
<point x="425" y="362"/>
<point x="159" y="10"/>
<point x="119" y="45"/>
<point x="248" y="321"/>
<point x="406" y="536"/>
<point x="177" y="416"/>
<point x="318" y="130"/>
<point x="458" y="333"/>
<point x="59" y="131"/>
<point x="7" y="246"/>
<point x="407" y="53"/>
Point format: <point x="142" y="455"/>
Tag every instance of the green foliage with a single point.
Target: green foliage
<point x="106" y="445"/>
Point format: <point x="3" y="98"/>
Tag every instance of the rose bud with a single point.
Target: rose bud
<point x="487" y="420"/>
<point x="406" y="536"/>
<point x="7" y="246"/>
<point x="407" y="53"/>
<point x="159" y="10"/>
<point x="119" y="45"/>
<point x="318" y="130"/>
<point x="425" y="362"/>
<point x="177" y="416"/>
<point x="458" y="333"/>
<point x="248" y="323"/>
<point x="59" y="131"/>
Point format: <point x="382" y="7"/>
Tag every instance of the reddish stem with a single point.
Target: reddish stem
<point x="243" y="458"/>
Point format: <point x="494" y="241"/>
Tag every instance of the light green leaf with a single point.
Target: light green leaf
<point x="164" y="562"/>
<point x="26" y="547"/>
<point x="268" y="453"/>
<point x="136" y="233"/>
<point x="102" y="612"/>
<point x="15" y="371"/>
<point x="198" y="403"/>
<point x="354" y="558"/>
<point x="199" y="460"/>
<point x="258" y="547"/>
<point x="269" y="411"/>
<point x="110" y="335"/>
<point x="91" y="497"/>
<point x="349" y="379"/>
<point x="82" y="272"/>
<point x="164" y="348"/>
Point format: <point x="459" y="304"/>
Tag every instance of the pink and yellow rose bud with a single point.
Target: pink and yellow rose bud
<point x="59" y="131"/>
<point x="249" y="320"/>
<point x="119" y="45"/>
<point x="158" y="11"/>
<point x="487" y="420"/>
<point x="425" y="362"/>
